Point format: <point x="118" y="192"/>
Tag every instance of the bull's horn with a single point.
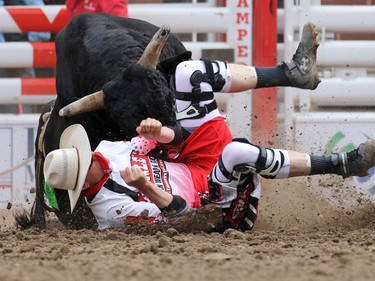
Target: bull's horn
<point x="88" y="103"/>
<point x="151" y="54"/>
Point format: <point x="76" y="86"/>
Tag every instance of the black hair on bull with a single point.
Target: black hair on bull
<point x="138" y="93"/>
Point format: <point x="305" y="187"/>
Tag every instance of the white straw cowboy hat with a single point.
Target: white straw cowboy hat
<point x="66" y="168"/>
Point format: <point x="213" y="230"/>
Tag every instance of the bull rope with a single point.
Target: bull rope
<point x="23" y="163"/>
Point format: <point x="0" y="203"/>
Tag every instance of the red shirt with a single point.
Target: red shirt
<point x="115" y="7"/>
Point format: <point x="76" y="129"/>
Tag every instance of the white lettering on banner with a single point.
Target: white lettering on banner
<point x="243" y="30"/>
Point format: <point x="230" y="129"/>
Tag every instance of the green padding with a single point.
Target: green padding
<point x="51" y="196"/>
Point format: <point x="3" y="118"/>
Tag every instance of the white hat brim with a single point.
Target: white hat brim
<point x="76" y="136"/>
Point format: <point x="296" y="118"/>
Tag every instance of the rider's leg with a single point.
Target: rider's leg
<point x="195" y="103"/>
<point x="300" y="72"/>
<point x="234" y="183"/>
<point x="197" y="80"/>
<point x="277" y="163"/>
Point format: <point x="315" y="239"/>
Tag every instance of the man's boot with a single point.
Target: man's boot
<point x="301" y="70"/>
<point x="358" y="161"/>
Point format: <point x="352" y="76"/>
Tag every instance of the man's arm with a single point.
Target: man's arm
<point x="135" y="177"/>
<point x="152" y="129"/>
<point x="170" y="205"/>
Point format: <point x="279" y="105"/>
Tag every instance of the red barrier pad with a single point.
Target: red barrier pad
<point x="38" y="86"/>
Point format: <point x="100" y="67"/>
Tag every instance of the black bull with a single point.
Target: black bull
<point x="100" y="52"/>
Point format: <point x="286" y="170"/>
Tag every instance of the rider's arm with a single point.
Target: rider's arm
<point x="170" y="205"/>
<point x="112" y="209"/>
<point x="152" y="129"/>
<point x="134" y="176"/>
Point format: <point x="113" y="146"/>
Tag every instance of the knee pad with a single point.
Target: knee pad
<point x="196" y="95"/>
<point x="215" y="79"/>
<point x="236" y="177"/>
<point x="274" y="168"/>
<point x="258" y="166"/>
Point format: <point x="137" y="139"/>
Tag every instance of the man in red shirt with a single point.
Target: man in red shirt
<point x="114" y="7"/>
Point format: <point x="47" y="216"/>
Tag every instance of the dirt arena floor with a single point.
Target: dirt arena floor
<point x="299" y="236"/>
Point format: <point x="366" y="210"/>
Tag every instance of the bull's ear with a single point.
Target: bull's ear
<point x="168" y="66"/>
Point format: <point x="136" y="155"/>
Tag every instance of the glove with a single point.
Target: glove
<point x="142" y="146"/>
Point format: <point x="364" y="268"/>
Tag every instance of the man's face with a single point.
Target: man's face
<point x="95" y="173"/>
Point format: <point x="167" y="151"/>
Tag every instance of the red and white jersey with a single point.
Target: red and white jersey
<point x="116" y="201"/>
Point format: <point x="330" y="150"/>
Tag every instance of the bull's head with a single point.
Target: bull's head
<point x="149" y="59"/>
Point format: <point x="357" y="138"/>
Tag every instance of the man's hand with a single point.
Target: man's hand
<point x="152" y="129"/>
<point x="135" y="177"/>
